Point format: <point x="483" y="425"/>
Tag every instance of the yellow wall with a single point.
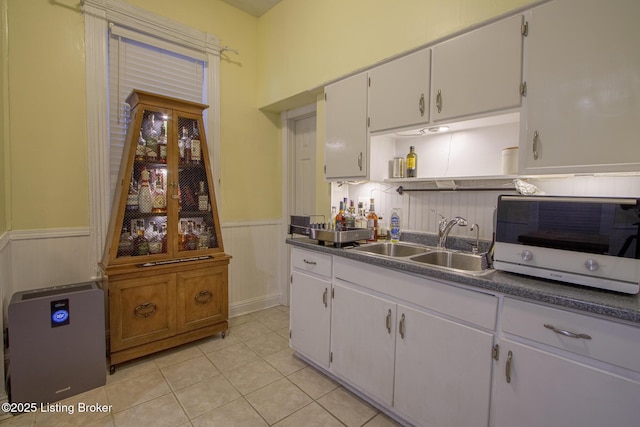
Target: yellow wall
<point x="305" y="43"/>
<point x="295" y="47"/>
<point x="4" y="170"/>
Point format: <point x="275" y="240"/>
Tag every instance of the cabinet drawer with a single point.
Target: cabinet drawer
<point x="610" y="342"/>
<point x="311" y="262"/>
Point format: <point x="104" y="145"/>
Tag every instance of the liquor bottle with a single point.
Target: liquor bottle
<point x="125" y="245"/>
<point x="151" y="152"/>
<point x="213" y="239"/>
<point x="351" y="216"/>
<point x="196" y="145"/>
<point x="340" y="219"/>
<point x="141" y="149"/>
<point x="163" y="237"/>
<point x="372" y="221"/>
<point x="412" y="163"/>
<point x="181" y="143"/>
<point x="155" y="243"/>
<point x="162" y="143"/>
<point x="203" y="237"/>
<point x="382" y="228"/>
<point x="203" y="198"/>
<point x="132" y="197"/>
<point x="187" y="148"/>
<point x="361" y="219"/>
<point x="145" y="198"/>
<point x="334" y="212"/>
<point x="190" y="238"/>
<point x="140" y="243"/>
<point x="159" y="196"/>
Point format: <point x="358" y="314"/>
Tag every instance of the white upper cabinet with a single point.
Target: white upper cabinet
<point x="478" y="72"/>
<point x="346" y="144"/>
<point x="583" y="88"/>
<point x="399" y="92"/>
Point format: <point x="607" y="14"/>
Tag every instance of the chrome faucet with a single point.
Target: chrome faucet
<point x="445" y="226"/>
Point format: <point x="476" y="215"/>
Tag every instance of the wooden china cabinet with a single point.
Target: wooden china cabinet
<point x="164" y="263"/>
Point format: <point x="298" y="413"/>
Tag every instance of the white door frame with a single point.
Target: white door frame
<point x="288" y="165"/>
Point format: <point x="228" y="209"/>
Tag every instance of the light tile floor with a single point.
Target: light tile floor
<point x="250" y="378"/>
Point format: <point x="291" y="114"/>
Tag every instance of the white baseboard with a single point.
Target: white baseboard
<point x="257" y="304"/>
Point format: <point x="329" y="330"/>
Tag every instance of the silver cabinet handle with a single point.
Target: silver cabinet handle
<point x="439" y="101"/>
<point x="324" y="297"/>
<point x="360" y="160"/>
<point x="508" y="366"/>
<point x="401" y="327"/>
<point x="567" y="333"/>
<point x="421" y="105"/>
<point x="309" y="262"/>
<point x="536" y="139"/>
<point x="389" y="321"/>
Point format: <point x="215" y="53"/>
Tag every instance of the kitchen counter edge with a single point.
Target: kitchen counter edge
<point x="595" y="301"/>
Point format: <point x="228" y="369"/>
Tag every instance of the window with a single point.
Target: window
<point x="176" y="47"/>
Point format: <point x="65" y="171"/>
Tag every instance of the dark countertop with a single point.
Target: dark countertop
<point x="600" y="302"/>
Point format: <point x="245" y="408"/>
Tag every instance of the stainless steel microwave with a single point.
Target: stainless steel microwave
<point x="589" y="241"/>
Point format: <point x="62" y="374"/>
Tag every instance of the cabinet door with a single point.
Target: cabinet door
<point x="478" y="72"/>
<point x="439" y="362"/>
<point x="363" y="341"/>
<point x="202" y="297"/>
<point x="549" y="390"/>
<point x="399" y="92"/>
<point x="142" y="310"/>
<point x="346" y="137"/>
<point x="583" y="91"/>
<point x="310" y="317"/>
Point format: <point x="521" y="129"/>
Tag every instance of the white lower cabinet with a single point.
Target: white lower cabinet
<point x="310" y="311"/>
<point x="363" y="341"/>
<point x="559" y="368"/>
<point x="442" y="371"/>
<point x="431" y="369"/>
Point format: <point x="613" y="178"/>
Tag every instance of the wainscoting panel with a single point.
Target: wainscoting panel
<point x="255" y="271"/>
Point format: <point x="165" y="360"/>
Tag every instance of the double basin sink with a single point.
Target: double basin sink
<point x="437" y="257"/>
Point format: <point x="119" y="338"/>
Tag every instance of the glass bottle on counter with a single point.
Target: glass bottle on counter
<point x="145" y="198"/>
<point x="340" y="219"/>
<point x="372" y="221"/>
<point x="203" y="198"/>
<point x="351" y="216"/>
<point x="412" y="163"/>
<point x="361" y="219"/>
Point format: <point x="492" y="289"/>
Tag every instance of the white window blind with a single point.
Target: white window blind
<point x="138" y="61"/>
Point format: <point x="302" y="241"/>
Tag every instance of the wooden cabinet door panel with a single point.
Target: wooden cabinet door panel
<point x="202" y="297"/>
<point x="142" y="310"/>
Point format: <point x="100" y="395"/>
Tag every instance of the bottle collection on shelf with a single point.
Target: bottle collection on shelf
<point x="152" y="238"/>
<point x="347" y="218"/>
<point x="152" y="143"/>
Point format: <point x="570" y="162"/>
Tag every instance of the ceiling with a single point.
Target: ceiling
<point x="254" y="7"/>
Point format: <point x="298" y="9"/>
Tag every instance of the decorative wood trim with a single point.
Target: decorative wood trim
<point x="49" y="233"/>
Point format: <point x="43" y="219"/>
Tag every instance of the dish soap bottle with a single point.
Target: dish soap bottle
<point x="395" y="226"/>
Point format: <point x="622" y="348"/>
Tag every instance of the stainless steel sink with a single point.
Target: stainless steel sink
<point x="452" y="260"/>
<point x="392" y="249"/>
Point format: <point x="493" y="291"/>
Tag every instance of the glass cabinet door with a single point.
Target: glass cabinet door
<point x="144" y="224"/>
<point x="196" y="228"/>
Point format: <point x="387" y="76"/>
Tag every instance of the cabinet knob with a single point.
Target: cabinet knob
<point x="526" y="255"/>
<point x="591" y="264"/>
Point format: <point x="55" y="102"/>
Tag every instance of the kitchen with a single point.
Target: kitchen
<point x="281" y="66"/>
